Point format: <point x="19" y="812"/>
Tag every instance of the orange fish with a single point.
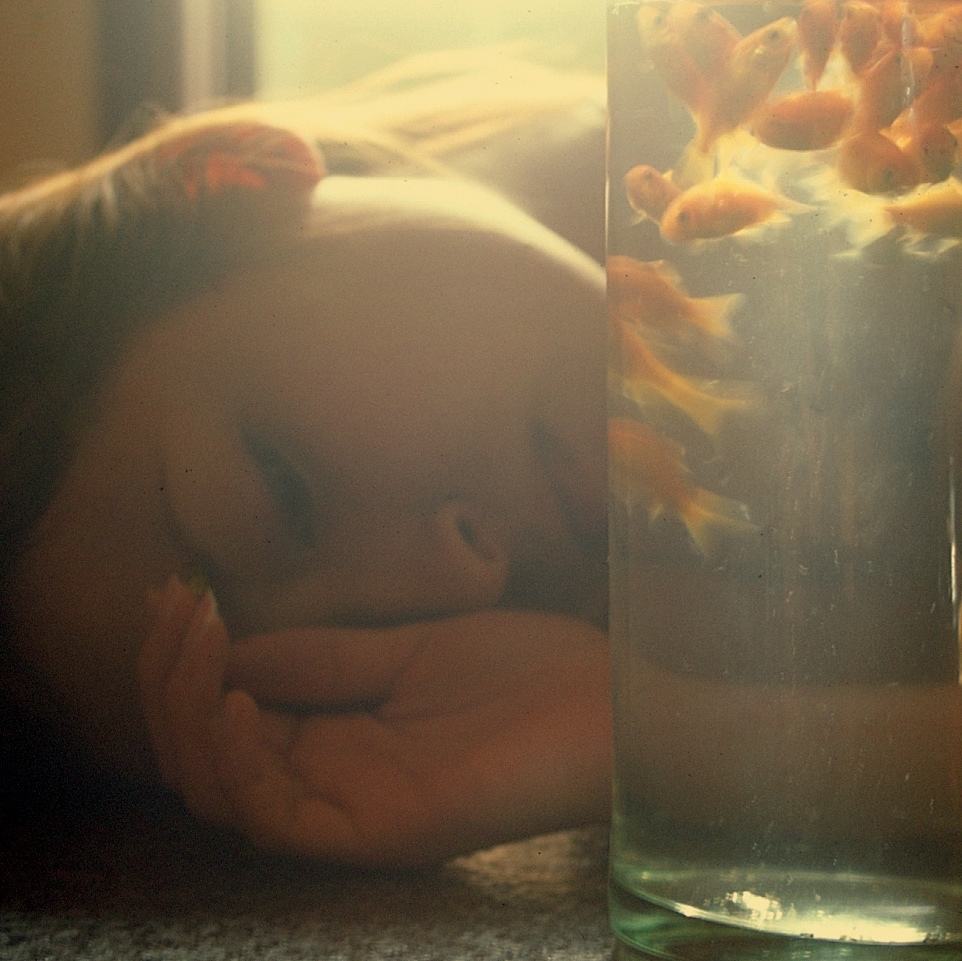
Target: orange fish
<point x="939" y="103"/>
<point x="649" y="293"/>
<point x="859" y="33"/>
<point x="942" y="33"/>
<point x="888" y="85"/>
<point x="899" y="23"/>
<point x="757" y="62"/>
<point x="943" y="27"/>
<point x="645" y="380"/>
<point x="817" y="28"/>
<point x="934" y="212"/>
<point x="810" y="120"/>
<point x="649" y="192"/>
<point x="706" y="35"/>
<point x="720" y="208"/>
<point x="873" y="164"/>
<point x="673" y="63"/>
<point x="647" y="468"/>
<point x="935" y="152"/>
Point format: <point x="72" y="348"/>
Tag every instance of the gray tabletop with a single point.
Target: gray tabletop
<point x="112" y="882"/>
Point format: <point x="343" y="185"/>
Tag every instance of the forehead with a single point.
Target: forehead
<point x="412" y="264"/>
<point x="383" y="296"/>
<point x="402" y="336"/>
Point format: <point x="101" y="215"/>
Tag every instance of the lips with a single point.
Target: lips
<point x="580" y="493"/>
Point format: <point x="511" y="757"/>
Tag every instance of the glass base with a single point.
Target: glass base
<point x="648" y="930"/>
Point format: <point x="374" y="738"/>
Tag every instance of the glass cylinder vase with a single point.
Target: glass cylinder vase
<point x="785" y="435"/>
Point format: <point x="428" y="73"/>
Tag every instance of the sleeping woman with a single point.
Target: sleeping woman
<point x="302" y="483"/>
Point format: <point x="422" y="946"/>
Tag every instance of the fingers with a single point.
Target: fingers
<point x="367" y="789"/>
<point x="335" y="787"/>
<point x="339" y="795"/>
<point x="340" y="668"/>
<point x="265" y="797"/>
<point x="194" y="710"/>
<point x="335" y="668"/>
<point x="442" y="771"/>
<point x="180" y="671"/>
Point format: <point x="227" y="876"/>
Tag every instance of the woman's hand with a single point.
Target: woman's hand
<point x="403" y="745"/>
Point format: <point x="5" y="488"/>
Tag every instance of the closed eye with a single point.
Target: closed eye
<point x="288" y="490"/>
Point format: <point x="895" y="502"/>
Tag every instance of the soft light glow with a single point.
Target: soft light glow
<point x="303" y="45"/>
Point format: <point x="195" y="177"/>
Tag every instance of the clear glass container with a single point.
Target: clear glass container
<point x="785" y="435"/>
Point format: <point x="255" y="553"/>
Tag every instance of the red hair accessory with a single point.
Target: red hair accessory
<point x="245" y="156"/>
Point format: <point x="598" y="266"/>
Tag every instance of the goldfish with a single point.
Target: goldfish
<point x="935" y="152"/>
<point x="942" y="33"/>
<point x="757" y="62"/>
<point x="649" y="192"/>
<point x="810" y="120"/>
<point x="943" y="27"/>
<point x="817" y="27"/>
<point x="888" y="85"/>
<point x="859" y="33"/>
<point x="673" y="63"/>
<point x="899" y="23"/>
<point x="706" y="35"/>
<point x="648" y="468"/>
<point x="940" y="103"/>
<point x="872" y="163"/>
<point x="650" y="294"/>
<point x="646" y="379"/>
<point x="934" y="211"/>
<point x="721" y="208"/>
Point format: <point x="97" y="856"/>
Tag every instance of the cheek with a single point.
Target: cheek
<point x="79" y="595"/>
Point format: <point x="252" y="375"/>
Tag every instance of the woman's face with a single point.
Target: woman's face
<point x="392" y="423"/>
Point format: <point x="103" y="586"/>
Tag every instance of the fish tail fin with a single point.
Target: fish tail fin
<point x="923" y="247"/>
<point x="863" y="216"/>
<point x="796" y="206"/>
<point x="734" y="149"/>
<point x="769" y="179"/>
<point x="761" y="233"/>
<point x="867" y="221"/>
<point x="712" y="314"/>
<point x="694" y="166"/>
<point x="709" y="517"/>
<point x="707" y="410"/>
<point x="620" y="485"/>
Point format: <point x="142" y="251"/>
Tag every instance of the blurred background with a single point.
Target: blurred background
<point x="72" y="71"/>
